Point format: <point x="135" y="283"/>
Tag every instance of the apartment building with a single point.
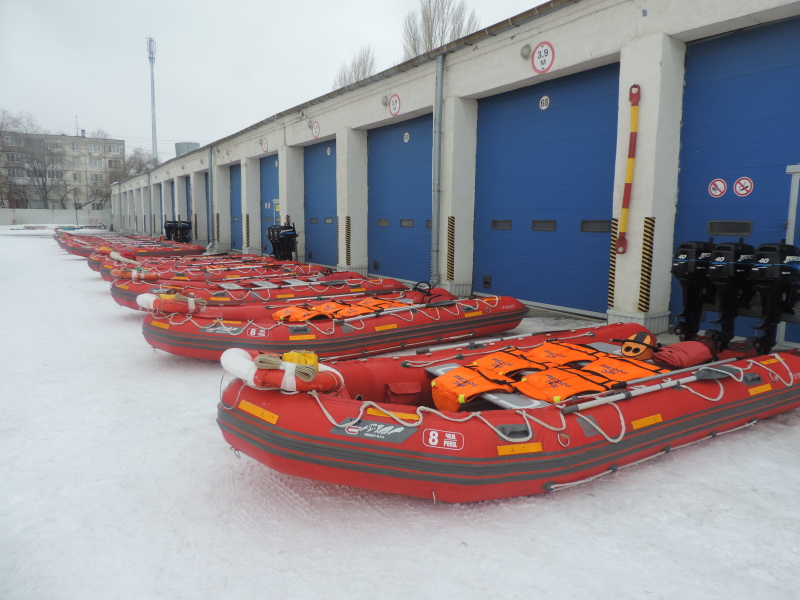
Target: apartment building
<point x="58" y="171"/>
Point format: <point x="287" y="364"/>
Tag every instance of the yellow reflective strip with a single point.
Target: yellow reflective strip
<point x="302" y="337"/>
<point x="519" y="449"/>
<point x="647" y="421"/>
<point x="257" y="411"/>
<point x="361" y="289"/>
<point x="623" y="221"/>
<point x="462" y="399"/>
<point x="629" y="171"/>
<point x="123" y="287"/>
<point x="476" y="313"/>
<point x="178" y="277"/>
<point x="760" y="389"/>
<point x="769" y="361"/>
<point x="219" y="299"/>
<point x="160" y="324"/>
<point x="385" y="413"/>
<point x="382" y="327"/>
<point x="285" y="296"/>
<point x="231" y="322"/>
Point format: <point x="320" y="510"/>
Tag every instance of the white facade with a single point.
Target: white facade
<point x="646" y="37"/>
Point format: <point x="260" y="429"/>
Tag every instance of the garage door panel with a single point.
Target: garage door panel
<point x="547" y="165"/>
<point x="399" y="180"/>
<point x="740" y="119"/>
<point x="319" y="177"/>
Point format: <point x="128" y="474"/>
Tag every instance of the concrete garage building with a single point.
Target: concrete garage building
<point x="498" y="164"/>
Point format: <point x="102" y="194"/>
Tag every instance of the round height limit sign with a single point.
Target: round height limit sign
<point x="542" y="57"/>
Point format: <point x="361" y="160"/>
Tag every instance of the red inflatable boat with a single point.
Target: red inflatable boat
<point x="377" y="424"/>
<point x="380" y="331"/>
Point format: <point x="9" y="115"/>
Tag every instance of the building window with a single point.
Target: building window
<point x="97" y="206"/>
<point x="76" y="177"/>
<point x="13" y="141"/>
<point x="543" y="225"/>
<point x="95" y="148"/>
<point x="17" y="173"/>
<point x="96" y="177"/>
<point x="55" y="144"/>
<point x="95" y="162"/>
<point x="76" y="146"/>
<point x="114" y="164"/>
<point x="734" y="228"/>
<point x="596" y="226"/>
<point x="56" y="175"/>
<point x="501" y="225"/>
<point x="12" y="157"/>
<point x="77" y="161"/>
<point x="115" y="149"/>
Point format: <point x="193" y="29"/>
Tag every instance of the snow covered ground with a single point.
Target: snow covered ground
<point x="115" y="483"/>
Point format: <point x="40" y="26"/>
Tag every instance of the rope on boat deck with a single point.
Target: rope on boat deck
<point x="424" y="409"/>
<point x="554" y="487"/>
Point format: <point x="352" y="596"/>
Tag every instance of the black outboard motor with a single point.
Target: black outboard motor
<point x="728" y="272"/>
<point x="690" y="266"/>
<point x="171" y="231"/>
<point x="184" y="232"/>
<point x="775" y="271"/>
<point x="284" y="241"/>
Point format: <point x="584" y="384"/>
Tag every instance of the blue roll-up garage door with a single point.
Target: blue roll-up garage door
<point x="269" y="197"/>
<point x="320" y="203"/>
<point x="741" y="127"/>
<point x="236" y="206"/>
<point x="544" y="191"/>
<point x="398" y="234"/>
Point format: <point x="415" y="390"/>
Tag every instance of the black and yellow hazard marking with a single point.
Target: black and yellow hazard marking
<point x="451" y="248"/>
<point x="647" y="264"/>
<point x="217" y="222"/>
<point x="347" y="229"/>
<point x="247" y="230"/>
<point x="612" y="263"/>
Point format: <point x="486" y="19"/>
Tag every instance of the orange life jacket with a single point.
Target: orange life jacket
<point x="559" y="383"/>
<point x="462" y="384"/>
<point x="508" y="362"/>
<point x="335" y="310"/>
<point x="620" y="368"/>
<point x="561" y="353"/>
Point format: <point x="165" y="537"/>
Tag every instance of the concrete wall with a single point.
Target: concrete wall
<point x="43" y="216"/>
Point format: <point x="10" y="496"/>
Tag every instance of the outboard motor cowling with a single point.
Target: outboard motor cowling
<point x="729" y="272"/>
<point x="690" y="265"/>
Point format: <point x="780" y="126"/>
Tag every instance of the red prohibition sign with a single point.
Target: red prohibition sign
<point x="542" y="57"/>
<point x="717" y="188"/>
<point x="743" y="186"/>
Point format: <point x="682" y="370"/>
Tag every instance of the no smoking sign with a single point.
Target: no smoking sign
<point x="743" y="186"/>
<point x="717" y="188"/>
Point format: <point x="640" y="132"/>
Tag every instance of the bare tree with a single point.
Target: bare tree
<point x="45" y="168"/>
<point x="361" y="67"/>
<point x="436" y="23"/>
<point x="138" y="162"/>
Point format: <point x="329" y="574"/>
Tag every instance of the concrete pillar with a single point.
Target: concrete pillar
<point x="199" y="209"/>
<point x="351" y="199"/>
<point x="291" y="184"/>
<point x="251" y="206"/>
<point x="222" y="207"/>
<point x="459" y="145"/>
<point x="641" y="284"/>
<point x="180" y="198"/>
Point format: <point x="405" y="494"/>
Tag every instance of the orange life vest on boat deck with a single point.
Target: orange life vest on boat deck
<point x="620" y="368"/>
<point x="335" y="310"/>
<point x="559" y="383"/>
<point x="301" y="312"/>
<point x="462" y="384"/>
<point x="561" y="353"/>
<point x="508" y="362"/>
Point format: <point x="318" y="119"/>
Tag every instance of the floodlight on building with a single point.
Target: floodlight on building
<point x="525" y="51"/>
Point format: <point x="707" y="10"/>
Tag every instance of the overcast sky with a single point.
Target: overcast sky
<point x="220" y="66"/>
